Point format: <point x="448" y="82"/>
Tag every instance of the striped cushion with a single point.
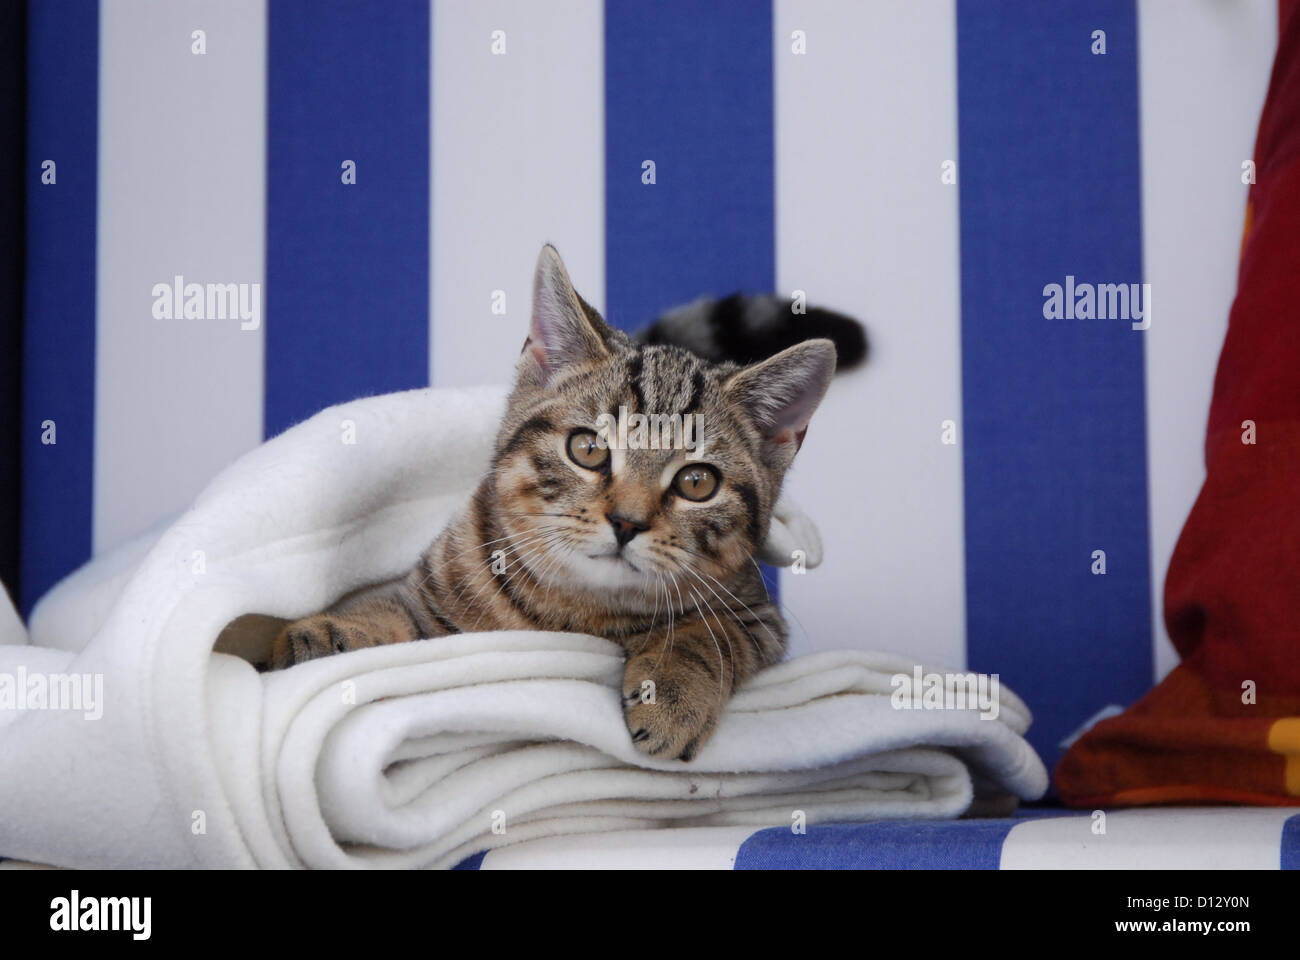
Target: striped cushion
<point x="1201" y="838"/>
<point x="801" y="149"/>
<point x="1034" y="839"/>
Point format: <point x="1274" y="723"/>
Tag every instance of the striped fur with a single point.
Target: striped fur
<point x="538" y="546"/>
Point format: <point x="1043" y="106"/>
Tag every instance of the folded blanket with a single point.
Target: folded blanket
<point x="414" y="754"/>
<point x="1224" y="726"/>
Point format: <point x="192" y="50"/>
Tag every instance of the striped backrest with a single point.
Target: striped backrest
<point x="385" y="175"/>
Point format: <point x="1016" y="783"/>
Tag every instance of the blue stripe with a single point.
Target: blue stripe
<point x="1291" y="843"/>
<point x="347" y="271"/>
<point x="886" y="845"/>
<point x="473" y="862"/>
<point x="1055" y="433"/>
<point x="59" y="339"/>
<point x="693" y="94"/>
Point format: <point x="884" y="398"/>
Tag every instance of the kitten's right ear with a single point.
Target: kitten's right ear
<point x="563" y="330"/>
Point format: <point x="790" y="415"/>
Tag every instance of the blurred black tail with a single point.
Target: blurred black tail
<point x="745" y="329"/>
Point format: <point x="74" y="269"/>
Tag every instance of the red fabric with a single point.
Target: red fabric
<point x="1232" y="595"/>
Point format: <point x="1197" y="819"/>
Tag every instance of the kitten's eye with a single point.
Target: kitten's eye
<point x="696" y="482"/>
<point x="586" y="451"/>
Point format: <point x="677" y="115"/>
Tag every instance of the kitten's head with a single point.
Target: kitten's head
<point x="595" y="498"/>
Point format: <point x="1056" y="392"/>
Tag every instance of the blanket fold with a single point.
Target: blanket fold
<point x="417" y="754"/>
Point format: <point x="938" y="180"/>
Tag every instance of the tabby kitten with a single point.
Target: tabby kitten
<point x="651" y="548"/>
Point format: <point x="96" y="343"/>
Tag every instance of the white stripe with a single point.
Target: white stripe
<point x="692" y="848"/>
<point x="181" y="191"/>
<point x="518" y="160"/>
<point x="863" y="122"/>
<point x="1151" y="839"/>
<point x="1204" y="69"/>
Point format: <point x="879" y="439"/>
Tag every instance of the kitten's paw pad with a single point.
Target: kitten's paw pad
<point x="674" y="714"/>
<point x="309" y="639"/>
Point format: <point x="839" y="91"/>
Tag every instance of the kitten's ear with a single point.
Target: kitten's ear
<point x="781" y="393"/>
<point x="563" y="330"/>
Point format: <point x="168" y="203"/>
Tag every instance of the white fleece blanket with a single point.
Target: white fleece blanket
<point x="417" y="754"/>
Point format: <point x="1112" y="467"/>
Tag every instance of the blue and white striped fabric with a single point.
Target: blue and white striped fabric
<point x="798" y="146"/>
<point x="1048" y="839"/>
<point x="1212" y="838"/>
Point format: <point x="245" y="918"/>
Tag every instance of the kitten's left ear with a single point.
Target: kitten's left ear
<point x="563" y="330"/>
<point x="782" y="392"/>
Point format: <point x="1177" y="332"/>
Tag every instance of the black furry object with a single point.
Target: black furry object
<point x="746" y="329"/>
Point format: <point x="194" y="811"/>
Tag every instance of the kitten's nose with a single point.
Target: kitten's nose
<point x="625" y="529"/>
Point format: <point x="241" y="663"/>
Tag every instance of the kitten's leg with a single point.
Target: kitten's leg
<point x="673" y="693"/>
<point x="367" y="624"/>
<point x="404" y="610"/>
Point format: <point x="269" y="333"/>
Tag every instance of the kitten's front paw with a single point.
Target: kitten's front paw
<point x="308" y="639"/>
<point x="671" y="708"/>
